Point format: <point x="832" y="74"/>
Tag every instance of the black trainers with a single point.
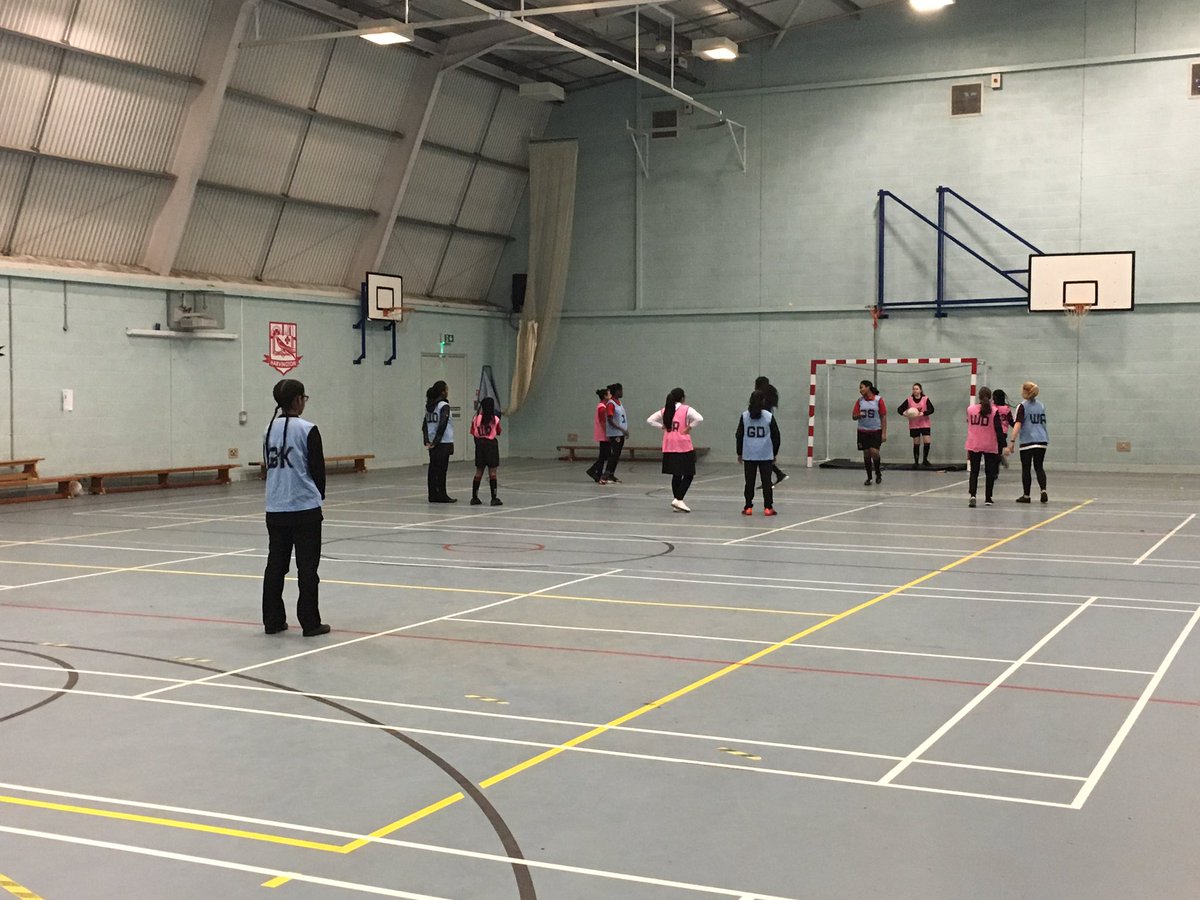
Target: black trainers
<point x="782" y="478"/>
<point x="879" y="478"/>
<point x="1024" y="498"/>
<point x="612" y="479"/>
<point x="1045" y="497"/>
<point x="496" y="501"/>
<point x="475" y="501"/>
<point x="868" y="481"/>
<point x="988" y="502"/>
<point x="276" y="629"/>
<point x="971" y="503"/>
<point x="320" y="629"/>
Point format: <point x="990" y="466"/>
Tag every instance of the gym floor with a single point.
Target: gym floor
<point x="585" y="694"/>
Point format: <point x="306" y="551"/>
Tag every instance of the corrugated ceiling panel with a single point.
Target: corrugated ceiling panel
<point x="515" y="122"/>
<point x="105" y="112"/>
<point x="436" y="186"/>
<point x="44" y="18"/>
<point x="253" y="145"/>
<point x="339" y="164"/>
<point x="288" y="72"/>
<point x="414" y="253"/>
<point x="163" y="35"/>
<point x="25" y="69"/>
<point x="83" y="213"/>
<point x="13" y="168"/>
<point x="492" y="199"/>
<point x="367" y="83"/>
<point x="313" y="246"/>
<point x="226" y="233"/>
<point x="469" y="268"/>
<point x="461" y="112"/>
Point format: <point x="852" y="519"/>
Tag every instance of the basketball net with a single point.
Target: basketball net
<point x="1076" y="312"/>
<point x="874" y="310"/>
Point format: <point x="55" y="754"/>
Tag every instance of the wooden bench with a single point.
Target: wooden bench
<point x="333" y="464"/>
<point x="62" y="488"/>
<point x="162" y="476"/>
<point x="569" y="452"/>
<point x="27" y="469"/>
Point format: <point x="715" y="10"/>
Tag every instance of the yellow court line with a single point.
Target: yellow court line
<point x="699" y="683"/>
<point x="751" y="609"/>
<point x="17" y="890"/>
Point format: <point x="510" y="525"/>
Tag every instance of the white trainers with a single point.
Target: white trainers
<point x="680" y="506"/>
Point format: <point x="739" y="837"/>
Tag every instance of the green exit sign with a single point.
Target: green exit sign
<point x="447" y="339"/>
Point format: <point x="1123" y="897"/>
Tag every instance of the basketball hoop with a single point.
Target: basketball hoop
<point x="1076" y="313"/>
<point x="394" y="314"/>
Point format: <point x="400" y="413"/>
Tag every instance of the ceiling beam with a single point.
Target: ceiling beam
<point x="742" y="11"/>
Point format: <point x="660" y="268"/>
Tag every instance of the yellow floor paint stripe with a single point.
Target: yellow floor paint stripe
<point x="701" y="682"/>
<point x="173" y="823"/>
<point x="17" y="890"/>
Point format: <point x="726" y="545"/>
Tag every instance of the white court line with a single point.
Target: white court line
<point x="220" y="864"/>
<point x="1166" y="537"/>
<point x="805" y="522"/>
<point x="368" y="637"/>
<point x="1115" y="744"/>
<point x="982" y="695"/>
<point x="114" y="570"/>
<point x="944" y="487"/>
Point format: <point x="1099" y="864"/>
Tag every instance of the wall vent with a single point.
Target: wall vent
<point x="664" y="124"/>
<point x="1196" y="79"/>
<point x="966" y="99"/>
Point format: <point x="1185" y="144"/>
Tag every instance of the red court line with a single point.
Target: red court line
<point x="636" y="654"/>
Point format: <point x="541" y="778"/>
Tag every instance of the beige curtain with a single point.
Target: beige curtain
<point x="552" y="167"/>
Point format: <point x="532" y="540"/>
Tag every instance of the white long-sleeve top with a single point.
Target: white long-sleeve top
<point x="693" y="418"/>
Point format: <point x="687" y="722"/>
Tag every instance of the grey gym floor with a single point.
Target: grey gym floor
<point x="584" y="694"/>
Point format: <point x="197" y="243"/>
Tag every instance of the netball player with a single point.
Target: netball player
<point x="295" y="464"/>
<point x="485" y="428"/>
<point x="985" y="443"/>
<point x="871" y="414"/>
<point x="437" y="431"/>
<point x="616" y="429"/>
<point x="770" y="401"/>
<point x="679" y="455"/>
<point x="918" y="425"/>
<point x="1031" y="435"/>
<point x="600" y="433"/>
<point x="757" y="446"/>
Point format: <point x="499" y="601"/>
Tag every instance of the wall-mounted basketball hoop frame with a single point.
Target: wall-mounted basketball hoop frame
<point x="381" y="300"/>
<point x="1078" y="283"/>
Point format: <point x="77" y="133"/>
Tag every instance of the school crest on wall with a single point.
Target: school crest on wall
<point x="283" y="346"/>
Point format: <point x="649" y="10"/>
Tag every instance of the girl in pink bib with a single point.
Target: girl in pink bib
<point x="679" y="456"/>
<point x="985" y="443"/>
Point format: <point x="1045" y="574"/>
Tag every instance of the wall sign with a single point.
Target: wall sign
<point x="282" y="344"/>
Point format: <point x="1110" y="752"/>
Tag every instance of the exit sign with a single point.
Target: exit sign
<point x="447" y="339"/>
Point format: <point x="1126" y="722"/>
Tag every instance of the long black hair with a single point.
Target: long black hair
<point x="487" y="413"/>
<point x="286" y="392"/>
<point x="870" y="387"/>
<point x="985" y="400"/>
<point x="600" y="392"/>
<point x="434" y="395"/>
<point x="757" y="401"/>
<point x="673" y="399"/>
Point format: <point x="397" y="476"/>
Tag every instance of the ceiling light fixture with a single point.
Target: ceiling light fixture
<point x="929" y="5"/>
<point x="718" y="48"/>
<point x="386" y="31"/>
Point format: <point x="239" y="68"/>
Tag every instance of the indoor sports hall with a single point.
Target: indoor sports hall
<point x="739" y="449"/>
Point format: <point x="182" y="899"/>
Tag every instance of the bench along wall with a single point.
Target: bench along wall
<point x="141" y="402"/>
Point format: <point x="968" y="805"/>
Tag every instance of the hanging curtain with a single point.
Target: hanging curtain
<point x="552" y="167"/>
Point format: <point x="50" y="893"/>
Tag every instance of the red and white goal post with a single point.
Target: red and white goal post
<point x="947" y="428"/>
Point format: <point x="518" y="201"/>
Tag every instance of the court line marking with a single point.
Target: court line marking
<point x="711" y="677"/>
<point x="1119" y="738"/>
<point x="1166" y="537"/>
<point x="996" y="682"/>
<point x="358" y="640"/>
<point x="798" y="524"/>
<point x="17" y="889"/>
<point x="944" y="487"/>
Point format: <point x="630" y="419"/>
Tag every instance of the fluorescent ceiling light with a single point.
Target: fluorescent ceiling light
<point x="386" y="31"/>
<point x="929" y="5"/>
<point x="721" y="48"/>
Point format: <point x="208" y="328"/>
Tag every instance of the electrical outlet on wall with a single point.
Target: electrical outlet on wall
<point x="1124" y="446"/>
<point x="233" y="452"/>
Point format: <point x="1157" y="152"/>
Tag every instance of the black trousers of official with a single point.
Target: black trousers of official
<point x="991" y="468"/>
<point x="300" y="531"/>
<point x="439" y="463"/>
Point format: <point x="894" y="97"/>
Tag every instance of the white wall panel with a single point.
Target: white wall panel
<point x="313" y="246"/>
<point x="150" y="32"/>
<point x="104" y="112"/>
<point x="515" y="123"/>
<point x="43" y="18"/>
<point x="78" y="212"/>
<point x="253" y="145"/>
<point x="436" y="187"/>
<point x="468" y="268"/>
<point x="339" y="164"/>
<point x="367" y="83"/>
<point x="288" y="72"/>
<point x="492" y="199"/>
<point x="13" y="167"/>
<point x="461" y="111"/>
<point x="226" y="233"/>
<point x="414" y="252"/>
<point x="25" y="76"/>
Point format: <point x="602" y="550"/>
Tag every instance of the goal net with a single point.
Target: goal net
<point x="949" y="382"/>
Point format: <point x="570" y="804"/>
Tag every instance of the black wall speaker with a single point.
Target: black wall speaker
<point x="519" y="281"/>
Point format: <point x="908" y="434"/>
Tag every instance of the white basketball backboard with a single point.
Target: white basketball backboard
<point x="385" y="296"/>
<point x="1058" y="281"/>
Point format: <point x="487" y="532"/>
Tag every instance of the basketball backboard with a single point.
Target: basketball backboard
<point x="1060" y="281"/>
<point x="385" y="296"/>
